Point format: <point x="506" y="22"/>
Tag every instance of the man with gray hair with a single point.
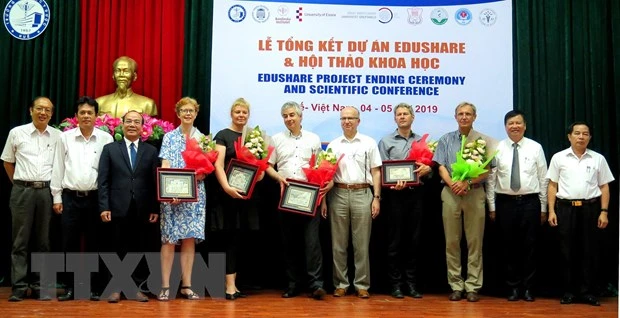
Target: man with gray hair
<point x="406" y="207"/>
<point x="352" y="202"/>
<point x="463" y="203"/>
<point x="292" y="150"/>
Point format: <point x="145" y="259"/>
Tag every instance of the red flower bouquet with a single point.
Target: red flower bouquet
<point x="322" y="169"/>
<point x="254" y="150"/>
<point x="421" y="152"/>
<point x="200" y="155"/>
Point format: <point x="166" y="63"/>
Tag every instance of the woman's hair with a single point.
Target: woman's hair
<point x="184" y="101"/>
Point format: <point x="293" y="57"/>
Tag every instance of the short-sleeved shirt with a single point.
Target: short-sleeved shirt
<point x="450" y="143"/>
<point x="579" y="178"/>
<point x="360" y="155"/>
<point x="292" y="153"/>
<point x="32" y="152"/>
<point x="396" y="147"/>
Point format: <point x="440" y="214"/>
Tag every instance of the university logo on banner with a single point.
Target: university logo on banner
<point x="26" y="19"/>
<point x="236" y="13"/>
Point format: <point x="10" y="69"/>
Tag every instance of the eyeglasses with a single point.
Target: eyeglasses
<point x="135" y="122"/>
<point x="43" y="110"/>
<point x="348" y="118"/>
<point x="187" y="111"/>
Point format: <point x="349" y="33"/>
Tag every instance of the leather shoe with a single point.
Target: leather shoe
<point x="319" y="293"/>
<point x="231" y="296"/>
<point x="340" y="292"/>
<point x="413" y="292"/>
<point x="140" y="297"/>
<point x="239" y="294"/>
<point x="66" y="296"/>
<point x="114" y="298"/>
<point x="568" y="298"/>
<point x="514" y="295"/>
<point x="94" y="296"/>
<point x="528" y="296"/>
<point x="397" y="293"/>
<point x="456" y="295"/>
<point x="591" y="300"/>
<point x="472" y="297"/>
<point x="363" y="293"/>
<point x="290" y="292"/>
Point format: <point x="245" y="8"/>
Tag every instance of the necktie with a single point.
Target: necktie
<point x="132" y="153"/>
<point x="515" y="179"/>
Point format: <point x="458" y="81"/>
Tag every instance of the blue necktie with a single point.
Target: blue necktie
<point x="132" y="152"/>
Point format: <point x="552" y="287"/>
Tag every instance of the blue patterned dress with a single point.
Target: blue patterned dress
<point x="187" y="219"/>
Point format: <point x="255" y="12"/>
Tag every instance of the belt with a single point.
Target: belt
<point x="352" y="186"/>
<point x="578" y="202"/>
<point x="517" y="197"/>
<point x="80" y="194"/>
<point x="32" y="184"/>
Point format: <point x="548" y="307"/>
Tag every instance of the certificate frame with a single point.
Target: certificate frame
<point x="242" y="176"/>
<point x="177" y="183"/>
<point x="394" y="170"/>
<point x="300" y="197"/>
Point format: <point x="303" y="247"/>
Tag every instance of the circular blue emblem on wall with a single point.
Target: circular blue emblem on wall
<point x="236" y="13"/>
<point x="463" y="16"/>
<point x="26" y="19"/>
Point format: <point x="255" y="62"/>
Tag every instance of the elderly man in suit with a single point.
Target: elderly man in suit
<point x="127" y="194"/>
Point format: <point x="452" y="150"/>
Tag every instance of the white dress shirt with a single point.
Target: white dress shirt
<point x="76" y="161"/>
<point x="360" y="155"/>
<point x="291" y="153"/>
<point x="31" y="151"/>
<point x="579" y="178"/>
<point x="532" y="171"/>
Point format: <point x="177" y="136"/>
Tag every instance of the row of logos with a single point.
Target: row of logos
<point x="439" y="16"/>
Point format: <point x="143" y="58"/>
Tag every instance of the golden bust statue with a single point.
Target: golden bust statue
<point x="124" y="99"/>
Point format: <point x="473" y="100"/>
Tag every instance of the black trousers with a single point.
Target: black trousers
<point x="579" y="240"/>
<point x="404" y="226"/>
<point x="518" y="218"/>
<point x="81" y="222"/>
<point x="301" y="241"/>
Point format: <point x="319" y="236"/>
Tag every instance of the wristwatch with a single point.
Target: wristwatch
<point x="377" y="197"/>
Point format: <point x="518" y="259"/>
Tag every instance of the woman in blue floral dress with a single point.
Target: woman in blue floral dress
<point x="182" y="223"/>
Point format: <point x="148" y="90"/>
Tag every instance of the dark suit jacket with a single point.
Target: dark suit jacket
<point x="118" y="184"/>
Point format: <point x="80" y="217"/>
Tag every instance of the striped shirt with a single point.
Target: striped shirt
<point x="32" y="152"/>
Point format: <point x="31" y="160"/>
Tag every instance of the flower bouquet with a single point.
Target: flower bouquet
<point x="153" y="129"/>
<point x="322" y="169"/>
<point x="471" y="160"/>
<point x="254" y="150"/>
<point x="200" y="154"/>
<point x="421" y="151"/>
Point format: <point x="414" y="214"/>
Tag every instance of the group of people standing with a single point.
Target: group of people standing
<point x="100" y="185"/>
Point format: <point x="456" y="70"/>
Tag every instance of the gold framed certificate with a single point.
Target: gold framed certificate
<point x="242" y="176"/>
<point x="393" y="171"/>
<point x="177" y="183"/>
<point x="300" y="197"/>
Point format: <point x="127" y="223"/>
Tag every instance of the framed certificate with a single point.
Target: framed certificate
<point x="300" y="197"/>
<point x="242" y="176"/>
<point x="394" y="170"/>
<point x="177" y="183"/>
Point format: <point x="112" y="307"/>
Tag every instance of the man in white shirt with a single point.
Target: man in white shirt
<point x="517" y="197"/>
<point x="28" y="156"/>
<point x="74" y="186"/>
<point x="292" y="151"/>
<point x="352" y="204"/>
<point x="578" y="201"/>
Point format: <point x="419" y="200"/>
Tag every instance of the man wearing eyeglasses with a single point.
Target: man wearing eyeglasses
<point x="28" y="157"/>
<point x="353" y="202"/>
<point x="74" y="187"/>
<point x="127" y="196"/>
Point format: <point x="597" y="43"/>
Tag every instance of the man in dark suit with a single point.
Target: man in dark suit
<point x="127" y="193"/>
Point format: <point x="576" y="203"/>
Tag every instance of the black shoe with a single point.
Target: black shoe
<point x="456" y="295"/>
<point x="239" y="294"/>
<point x="568" y="298"/>
<point x="397" y="293"/>
<point x="412" y="291"/>
<point x="528" y="296"/>
<point x="66" y="296"/>
<point x="514" y="294"/>
<point x="231" y="296"/>
<point x="290" y="292"/>
<point x="94" y="296"/>
<point x="17" y="295"/>
<point x="319" y="293"/>
<point x="591" y="300"/>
